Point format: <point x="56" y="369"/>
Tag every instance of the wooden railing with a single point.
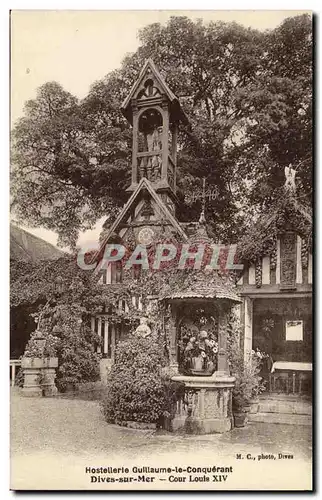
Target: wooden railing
<point x="287" y="382"/>
<point x="13" y="364"/>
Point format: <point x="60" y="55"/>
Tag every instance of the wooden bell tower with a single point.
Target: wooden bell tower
<point x="155" y="113"/>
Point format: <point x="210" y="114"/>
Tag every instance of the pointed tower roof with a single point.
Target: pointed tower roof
<point x="149" y="71"/>
<point x="200" y="234"/>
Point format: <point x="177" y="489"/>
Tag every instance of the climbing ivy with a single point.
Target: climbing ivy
<point x="287" y="213"/>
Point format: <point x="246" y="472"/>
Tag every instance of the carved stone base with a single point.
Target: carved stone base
<point x="39" y="376"/>
<point x="206" y="406"/>
<point x="48" y="383"/>
<point x="31" y="387"/>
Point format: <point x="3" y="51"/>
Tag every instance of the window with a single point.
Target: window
<point x="294" y="330"/>
<point x="116" y="272"/>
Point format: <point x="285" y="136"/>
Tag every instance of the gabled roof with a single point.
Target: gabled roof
<point x="149" y="65"/>
<point x="143" y="184"/>
<point x="27" y="247"/>
<point x="285" y="214"/>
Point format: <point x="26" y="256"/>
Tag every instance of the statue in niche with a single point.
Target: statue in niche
<point x="143" y="330"/>
<point x="154" y="138"/>
<point x="150" y="126"/>
<point x="290" y="174"/>
<point x="154" y="144"/>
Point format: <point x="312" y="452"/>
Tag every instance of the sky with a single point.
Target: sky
<point x="76" y="48"/>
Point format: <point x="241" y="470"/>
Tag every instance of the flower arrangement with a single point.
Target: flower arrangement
<point x="260" y="354"/>
<point x="200" y="353"/>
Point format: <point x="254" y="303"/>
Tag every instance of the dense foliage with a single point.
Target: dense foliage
<point x="66" y="334"/>
<point x="248" y="96"/>
<point x="286" y="213"/>
<point x="248" y="382"/>
<point x="65" y="298"/>
<point x="137" y="389"/>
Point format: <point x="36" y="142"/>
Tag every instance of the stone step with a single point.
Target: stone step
<point x="289" y="407"/>
<point x="280" y="418"/>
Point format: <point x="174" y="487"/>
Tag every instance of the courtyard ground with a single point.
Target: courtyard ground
<point x="53" y="440"/>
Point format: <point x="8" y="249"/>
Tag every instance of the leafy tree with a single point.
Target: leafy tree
<point x="247" y="94"/>
<point x="279" y="103"/>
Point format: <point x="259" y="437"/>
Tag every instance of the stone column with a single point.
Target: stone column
<point x="222" y="366"/>
<point x="173" y="339"/>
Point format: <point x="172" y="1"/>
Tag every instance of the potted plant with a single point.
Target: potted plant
<point x="247" y="384"/>
<point x="258" y="358"/>
<point x="200" y="354"/>
<point x="241" y="395"/>
<point x="239" y="411"/>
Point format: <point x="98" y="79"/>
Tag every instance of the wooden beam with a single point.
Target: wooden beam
<point x="251" y="275"/>
<point x="310" y="270"/>
<point x="266" y="270"/>
<point x="99" y="332"/>
<point x="248" y="337"/>
<point x="278" y="261"/>
<point x="299" y="277"/>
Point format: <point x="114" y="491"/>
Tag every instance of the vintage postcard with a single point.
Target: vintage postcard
<point x="161" y="250"/>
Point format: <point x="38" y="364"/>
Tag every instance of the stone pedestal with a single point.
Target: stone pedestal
<point x="39" y="376"/>
<point x="32" y="375"/>
<point x="206" y="406"/>
<point x="48" y="376"/>
<point x="105" y="367"/>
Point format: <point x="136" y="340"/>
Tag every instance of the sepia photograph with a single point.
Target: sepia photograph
<point x="161" y="255"/>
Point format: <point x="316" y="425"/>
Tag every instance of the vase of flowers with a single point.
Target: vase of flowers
<point x="200" y="354"/>
<point x="197" y="363"/>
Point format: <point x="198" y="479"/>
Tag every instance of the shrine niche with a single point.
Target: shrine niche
<point x="198" y="341"/>
<point x="197" y="328"/>
<point x="150" y="145"/>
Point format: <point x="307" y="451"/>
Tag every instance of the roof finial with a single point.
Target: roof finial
<point x="202" y="219"/>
